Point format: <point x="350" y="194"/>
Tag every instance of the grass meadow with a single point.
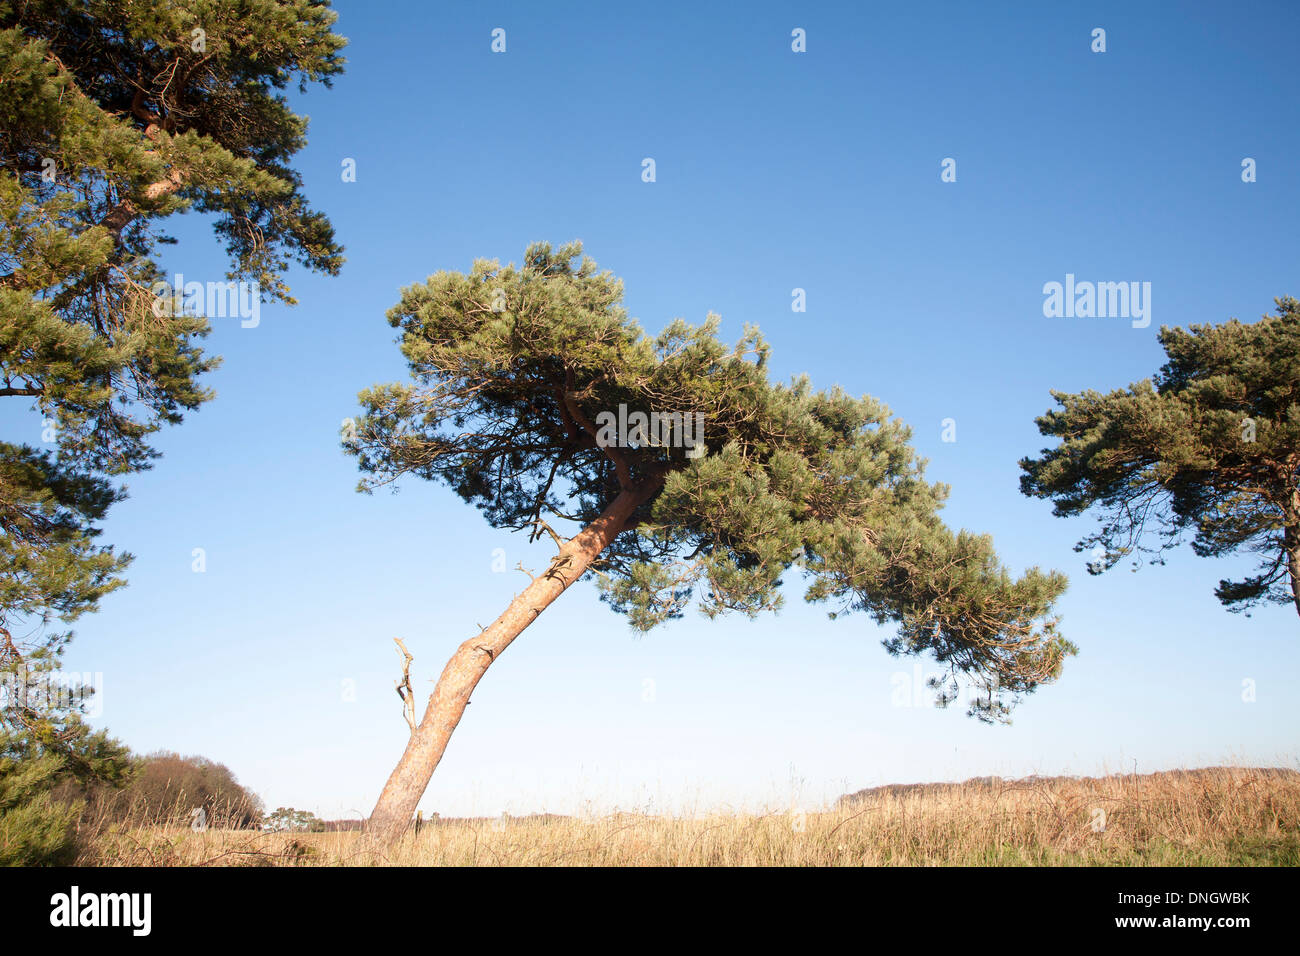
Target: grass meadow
<point x="1222" y="816"/>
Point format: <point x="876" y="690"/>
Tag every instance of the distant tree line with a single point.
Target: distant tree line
<point x="164" y="788"/>
<point x="289" y="819"/>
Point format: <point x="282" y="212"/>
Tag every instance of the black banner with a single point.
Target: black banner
<point x="323" y="904"/>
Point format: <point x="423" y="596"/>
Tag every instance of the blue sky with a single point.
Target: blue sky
<point x="775" y="170"/>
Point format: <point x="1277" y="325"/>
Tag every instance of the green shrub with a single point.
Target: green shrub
<point x="35" y="829"/>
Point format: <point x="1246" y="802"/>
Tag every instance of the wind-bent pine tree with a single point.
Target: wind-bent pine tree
<point x="114" y="115"/>
<point x="517" y="373"/>
<point x="1212" y="446"/>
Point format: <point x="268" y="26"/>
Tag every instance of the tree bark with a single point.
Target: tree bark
<point x="1291" y="542"/>
<point x="1293" y="566"/>
<point x="407" y="783"/>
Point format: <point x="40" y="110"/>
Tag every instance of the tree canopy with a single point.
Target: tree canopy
<point x="114" y="116"/>
<point x="1210" y="447"/>
<point x="513" y="369"/>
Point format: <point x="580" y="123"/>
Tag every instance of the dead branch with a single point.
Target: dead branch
<point x="539" y="525"/>
<point x="404" y="685"/>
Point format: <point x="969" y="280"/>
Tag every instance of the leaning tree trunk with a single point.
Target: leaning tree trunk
<point x="392" y="814"/>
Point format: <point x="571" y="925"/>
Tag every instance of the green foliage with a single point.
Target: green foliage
<point x="512" y="367"/>
<point x="34" y="829"/>
<point x="1212" y="446"/>
<point x="40" y="756"/>
<point x="114" y="115"/>
<point x="49" y="562"/>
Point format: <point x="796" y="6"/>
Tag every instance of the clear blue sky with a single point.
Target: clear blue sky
<point x="775" y="170"/>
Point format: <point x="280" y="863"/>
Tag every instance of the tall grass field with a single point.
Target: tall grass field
<point x="1222" y="816"/>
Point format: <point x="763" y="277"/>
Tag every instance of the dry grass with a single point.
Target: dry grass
<point x="1220" y="816"/>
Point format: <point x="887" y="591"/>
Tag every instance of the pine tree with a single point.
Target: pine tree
<point x="528" y="387"/>
<point x="1211" y="447"/>
<point x="114" y="116"/>
<point x="44" y="743"/>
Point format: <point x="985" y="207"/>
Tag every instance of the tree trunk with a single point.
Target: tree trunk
<point x="1291" y="541"/>
<point x="392" y="814"/>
